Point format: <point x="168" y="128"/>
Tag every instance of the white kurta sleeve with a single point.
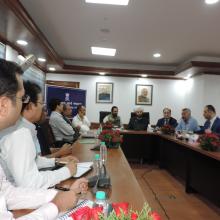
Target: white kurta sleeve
<point x="18" y="151"/>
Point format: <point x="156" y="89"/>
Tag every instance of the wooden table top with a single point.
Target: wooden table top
<point x="125" y="187"/>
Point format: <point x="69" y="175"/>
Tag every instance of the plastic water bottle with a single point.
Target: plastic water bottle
<point x="103" y="153"/>
<point x="102" y="202"/>
<point x="96" y="164"/>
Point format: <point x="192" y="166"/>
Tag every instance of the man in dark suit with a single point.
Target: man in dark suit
<point x="167" y="119"/>
<point x="138" y="122"/>
<point x="212" y="123"/>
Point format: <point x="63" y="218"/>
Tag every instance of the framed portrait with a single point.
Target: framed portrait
<point x="104" y="92"/>
<point x="144" y="94"/>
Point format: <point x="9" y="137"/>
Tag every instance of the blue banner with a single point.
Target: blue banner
<point x="73" y="97"/>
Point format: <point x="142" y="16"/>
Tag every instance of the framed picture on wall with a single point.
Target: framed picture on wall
<point x="104" y="92"/>
<point x="144" y="94"/>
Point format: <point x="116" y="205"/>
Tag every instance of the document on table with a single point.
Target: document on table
<point x="83" y="168"/>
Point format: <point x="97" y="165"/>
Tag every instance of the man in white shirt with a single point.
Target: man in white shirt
<point x="80" y="121"/>
<point x="63" y="131"/>
<point x="11" y="98"/>
<point x="22" y="140"/>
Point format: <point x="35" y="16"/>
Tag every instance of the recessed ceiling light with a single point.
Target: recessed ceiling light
<point x="103" y="51"/>
<point x="52" y="68"/>
<point x="157" y="55"/>
<point x="102" y="73"/>
<point x="22" y="42"/>
<point x="188" y="76"/>
<point x="144" y="75"/>
<point x="109" y="2"/>
<point x="20" y="57"/>
<point x="210" y="2"/>
<point x="41" y="59"/>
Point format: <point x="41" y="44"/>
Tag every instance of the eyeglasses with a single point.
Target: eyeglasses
<point x="42" y="103"/>
<point x="25" y="99"/>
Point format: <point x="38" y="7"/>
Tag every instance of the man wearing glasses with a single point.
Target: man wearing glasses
<point x="24" y="169"/>
<point x="51" y="201"/>
<point x="167" y="119"/>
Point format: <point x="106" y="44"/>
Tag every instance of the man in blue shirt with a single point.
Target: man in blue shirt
<point x="187" y="122"/>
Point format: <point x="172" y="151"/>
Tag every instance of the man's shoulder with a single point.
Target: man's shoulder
<point x="193" y="120"/>
<point x="160" y="119"/>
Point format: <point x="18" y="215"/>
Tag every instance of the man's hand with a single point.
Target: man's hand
<point x="65" y="200"/>
<point x="80" y="186"/>
<point x="72" y="166"/>
<point x="66" y="149"/>
<point x="208" y="131"/>
<point x="68" y="159"/>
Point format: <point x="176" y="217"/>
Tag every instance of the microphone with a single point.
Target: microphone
<point x="27" y="63"/>
<point x="102" y="180"/>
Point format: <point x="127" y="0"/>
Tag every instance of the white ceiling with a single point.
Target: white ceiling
<point x="178" y="29"/>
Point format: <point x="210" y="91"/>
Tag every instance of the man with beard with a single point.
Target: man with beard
<point x="138" y="122"/>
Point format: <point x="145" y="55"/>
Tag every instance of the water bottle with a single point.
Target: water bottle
<point x="102" y="202"/>
<point x="96" y="164"/>
<point x="103" y="153"/>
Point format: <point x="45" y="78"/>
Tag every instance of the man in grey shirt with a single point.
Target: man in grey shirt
<point x="63" y="131"/>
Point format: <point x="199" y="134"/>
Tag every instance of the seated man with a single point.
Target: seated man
<point x="212" y="123"/>
<point x="46" y="141"/>
<point x="80" y="121"/>
<point x="67" y="113"/>
<point x="12" y="198"/>
<point x="187" y="123"/>
<point x="113" y="117"/>
<point x="23" y="162"/>
<point x="167" y="119"/>
<point x="62" y="130"/>
<point x="138" y="122"/>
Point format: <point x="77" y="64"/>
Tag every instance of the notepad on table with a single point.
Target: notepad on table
<point x="78" y="206"/>
<point x="83" y="168"/>
<point x="87" y="141"/>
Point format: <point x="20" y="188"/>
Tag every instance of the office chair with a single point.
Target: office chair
<point x="102" y="115"/>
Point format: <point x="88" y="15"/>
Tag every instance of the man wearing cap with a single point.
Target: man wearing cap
<point x="138" y="122"/>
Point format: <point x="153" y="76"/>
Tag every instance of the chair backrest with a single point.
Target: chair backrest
<point x="48" y="132"/>
<point x="145" y="115"/>
<point x="102" y="115"/>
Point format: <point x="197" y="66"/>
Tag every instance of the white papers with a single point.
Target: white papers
<point x="83" y="168"/>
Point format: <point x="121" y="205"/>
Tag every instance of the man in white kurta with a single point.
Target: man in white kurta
<point x="80" y="121"/>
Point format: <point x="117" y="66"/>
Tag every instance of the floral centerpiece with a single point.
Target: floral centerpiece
<point x="107" y="126"/>
<point x="112" y="138"/>
<point x="167" y="129"/>
<point x="120" y="212"/>
<point x="209" y="141"/>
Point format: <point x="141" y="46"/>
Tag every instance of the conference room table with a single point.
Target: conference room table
<point x="125" y="187"/>
<point x="198" y="169"/>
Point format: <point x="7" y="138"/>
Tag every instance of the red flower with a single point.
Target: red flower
<point x="134" y="216"/>
<point x="81" y="214"/>
<point x="155" y="216"/>
<point x="95" y="212"/>
<point x="118" y="207"/>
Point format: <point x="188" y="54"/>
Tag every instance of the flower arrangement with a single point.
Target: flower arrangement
<point x="167" y="129"/>
<point x="107" y="126"/>
<point x="112" y="138"/>
<point x="120" y="212"/>
<point x="209" y="141"/>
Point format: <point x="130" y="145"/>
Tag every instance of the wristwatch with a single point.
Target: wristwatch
<point x="57" y="161"/>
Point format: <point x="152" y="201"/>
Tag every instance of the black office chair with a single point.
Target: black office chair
<point x="145" y="115"/>
<point x="102" y="115"/>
